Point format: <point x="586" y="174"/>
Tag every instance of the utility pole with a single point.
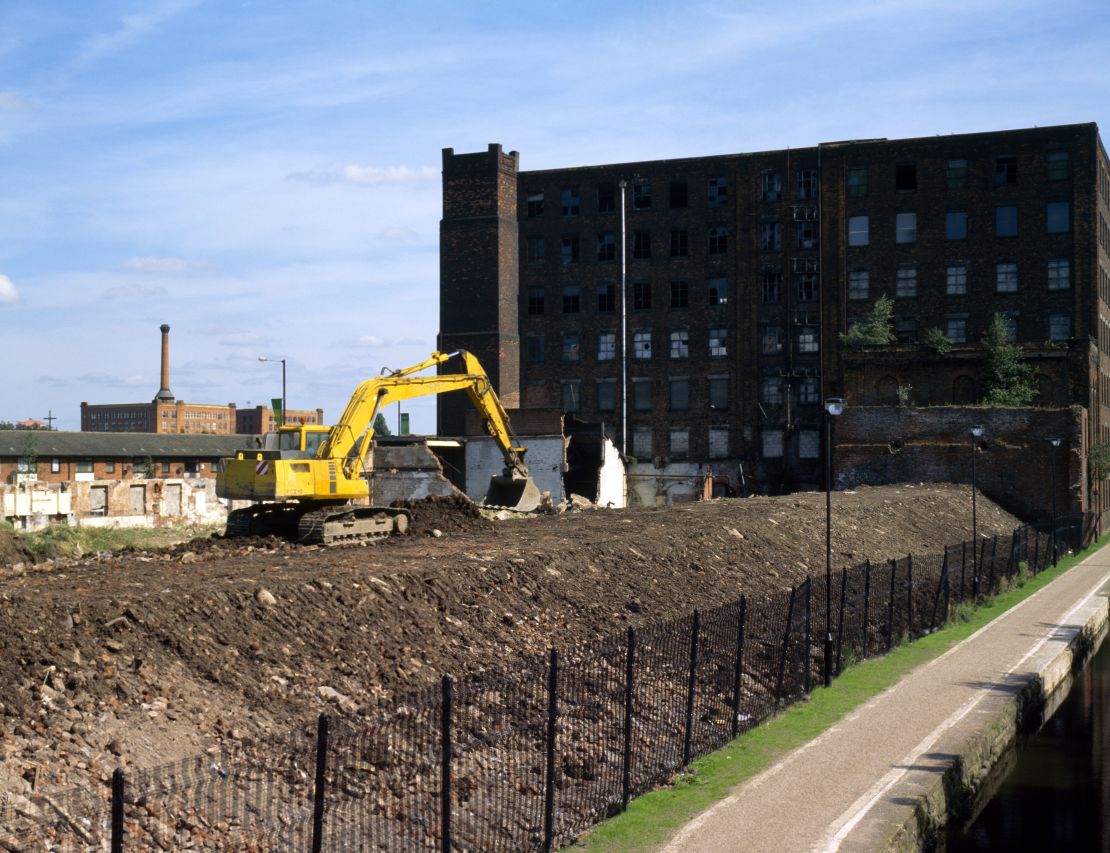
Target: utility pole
<point x="50" y="419"/>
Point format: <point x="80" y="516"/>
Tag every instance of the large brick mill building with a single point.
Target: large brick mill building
<point x="742" y="271"/>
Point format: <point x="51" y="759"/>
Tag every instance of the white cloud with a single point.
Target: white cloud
<point x="111" y="380"/>
<point x="239" y="338"/>
<point x="132" y="28"/>
<point x="8" y="293"/>
<point x="367" y="175"/>
<point x="161" y="266"/>
<point x="370" y="341"/>
<point x="399" y="235"/>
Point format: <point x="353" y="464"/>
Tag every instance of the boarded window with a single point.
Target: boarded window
<point x="718" y="442"/>
<point x="641" y="442"/>
<point x="98" y="500"/>
<point x="137" y="498"/>
<point x="772" y="444"/>
<point x="809" y="444"/>
<point x="680" y="444"/>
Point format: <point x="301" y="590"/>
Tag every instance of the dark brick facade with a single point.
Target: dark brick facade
<point x="750" y="256"/>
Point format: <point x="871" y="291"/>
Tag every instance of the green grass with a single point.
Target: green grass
<point x="61" y="540"/>
<point x="654" y="817"/>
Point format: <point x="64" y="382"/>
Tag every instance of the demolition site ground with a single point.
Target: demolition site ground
<point x="138" y="658"/>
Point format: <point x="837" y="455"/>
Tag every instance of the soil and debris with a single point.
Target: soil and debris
<point x="141" y="658"/>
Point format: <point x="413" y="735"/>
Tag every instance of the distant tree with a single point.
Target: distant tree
<point x="7" y="425"/>
<point x="10" y="425"/>
<point x="1007" y="377"/>
<point x="876" y="329"/>
<point x="380" y="426"/>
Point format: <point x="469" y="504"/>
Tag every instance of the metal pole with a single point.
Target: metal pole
<point x="284" y="407"/>
<point x="840" y="618"/>
<point x="1052" y="465"/>
<point x="866" y="610"/>
<point x="624" y="326"/>
<point x="974" y="527"/>
<point x="629" y="672"/>
<point x="738" y="668"/>
<point x="321" y="781"/>
<point x="445" y="769"/>
<point x="549" y="775"/>
<point x="808" y="679"/>
<point x="828" y="549"/>
<point x="691" y="688"/>
<point x="117" y="811"/>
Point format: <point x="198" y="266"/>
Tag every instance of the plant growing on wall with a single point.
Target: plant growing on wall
<point x="1098" y="459"/>
<point x="876" y="329"/>
<point x="903" y="392"/>
<point x="937" y="341"/>
<point x="1007" y="377"/>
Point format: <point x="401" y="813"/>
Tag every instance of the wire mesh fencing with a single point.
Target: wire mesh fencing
<point x="528" y="760"/>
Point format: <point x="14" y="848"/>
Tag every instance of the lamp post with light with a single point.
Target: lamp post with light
<point x="976" y="433"/>
<point x="1055" y="442"/>
<point x="833" y="407"/>
<point x="282" y="360"/>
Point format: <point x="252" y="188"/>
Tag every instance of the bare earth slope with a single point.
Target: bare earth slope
<point x="145" y="657"/>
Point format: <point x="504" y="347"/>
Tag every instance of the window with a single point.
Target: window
<point x="680" y="343"/>
<point x="1059" y="217"/>
<point x="807" y="287"/>
<point x="718" y="393"/>
<point x="905" y="177"/>
<point x="606" y="346"/>
<point x="807" y="235"/>
<point x="717" y="192"/>
<point x="770" y="236"/>
<point x="859" y="284"/>
<point x="857" y="181"/>
<point x="770" y="183"/>
<point x="772" y="285"/>
<point x="641" y="345"/>
<point x="535" y="301"/>
<point x="859" y="230"/>
<point x="569" y="252"/>
<point x="571" y="346"/>
<point x="1059" y="326"/>
<point x="641" y="295"/>
<point x="572" y="395"/>
<point x="955" y="280"/>
<point x="606" y="246"/>
<point x="641" y="395"/>
<point x="679" y="195"/>
<point x="535" y="203"/>
<point x="718" y="290"/>
<point x="807" y="183"/>
<point x="606" y="298"/>
<point x="905" y="329"/>
<point x="84" y="466"/>
<point x="955" y="226"/>
<point x="772" y="444"/>
<point x="1059" y="274"/>
<point x="55" y="465"/>
<point x="680" y="443"/>
<point x="1005" y="171"/>
<point x="771" y="337"/>
<point x="24" y="465"/>
<point x="606" y="198"/>
<point x="718" y="342"/>
<point x="110" y="466"/>
<point x="770" y="391"/>
<point x="1056" y="165"/>
<point x="807" y="339"/>
<point x="718" y="240"/>
<point x="606" y="395"/>
<point x="680" y="394"/>
<point x="809" y="444"/>
<point x="569" y="198"/>
<point x="808" y="391"/>
<point x="641" y="195"/>
<point x="641" y="442"/>
<point x="1005" y="221"/>
<point x="680" y="294"/>
<point x="533" y="349"/>
<point x="905" y="228"/>
<point x="534" y="250"/>
<point x="641" y="245"/>
<point x="165" y="468"/>
<point x="572" y="299"/>
<point x="905" y="284"/>
<point x="718" y="442"/>
<point x="957" y="174"/>
<point x="956" y="329"/>
<point x="1006" y="277"/>
<point x="680" y="243"/>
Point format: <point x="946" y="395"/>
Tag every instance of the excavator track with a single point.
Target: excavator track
<point x="351" y="524"/>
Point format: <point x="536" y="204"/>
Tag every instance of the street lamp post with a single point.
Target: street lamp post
<point x="282" y="360"/>
<point x="833" y="407"/>
<point x="1055" y="442"/>
<point x="976" y="433"/>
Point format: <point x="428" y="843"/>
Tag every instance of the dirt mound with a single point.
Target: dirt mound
<point x="448" y="514"/>
<point x="12" y="551"/>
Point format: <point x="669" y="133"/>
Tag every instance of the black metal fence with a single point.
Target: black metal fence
<point x="529" y="760"/>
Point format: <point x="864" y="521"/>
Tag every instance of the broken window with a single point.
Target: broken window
<point x="680" y="243"/>
<point x="534" y="250"/>
<point x="680" y="294"/>
<point x="678" y="195"/>
<point x="718" y="392"/>
<point x="1005" y="171"/>
<point x="641" y="345"/>
<point x="771" y="185"/>
<point x="770" y="390"/>
<point x="718" y="290"/>
<point x="606" y="198"/>
<point x="718" y="240"/>
<point x="772" y="285"/>
<point x="641" y="245"/>
<point x="905" y="177"/>
<point x="1056" y="165"/>
<point x="771" y="337"/>
<point x="680" y="394"/>
<point x="717" y="192"/>
<point x="808" y="391"/>
<point x="905" y="284"/>
<point x="859" y="284"/>
<point x="807" y="287"/>
<point x="606" y="298"/>
<point x="807" y="183"/>
<point x="606" y="246"/>
<point x="859" y="230"/>
<point x="641" y="195"/>
<point x="857" y="181"/>
<point x="680" y="343"/>
<point x="807" y="339"/>
<point x="535" y="203"/>
<point x="606" y="395"/>
<point x="1005" y="220"/>
<point x="905" y="228"/>
<point x="572" y="299"/>
<point x="606" y="346"/>
<point x="718" y="342"/>
<point x="572" y="395"/>
<point x="571" y="342"/>
<point x="1059" y="217"/>
<point x="1059" y="274"/>
<point x="535" y="301"/>
<point x="807" y="235"/>
<point x="569" y="253"/>
<point x="1006" y="277"/>
<point x="641" y="395"/>
<point x="955" y="226"/>
<point x="770" y="236"/>
<point x="905" y="329"/>
<point x="569" y="198"/>
<point x="680" y="443"/>
<point x="641" y="295"/>
<point x="1059" y="326"/>
<point x="533" y="349"/>
<point x="956" y="174"/>
<point x="955" y="281"/>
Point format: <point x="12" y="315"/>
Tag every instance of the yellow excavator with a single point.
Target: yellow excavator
<point x="314" y="481"/>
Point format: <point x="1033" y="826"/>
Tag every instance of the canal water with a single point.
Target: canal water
<point x="1056" y="797"/>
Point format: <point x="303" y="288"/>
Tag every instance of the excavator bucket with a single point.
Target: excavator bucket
<point x="516" y="493"/>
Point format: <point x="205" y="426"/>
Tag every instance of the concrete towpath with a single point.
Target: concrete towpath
<point x="860" y="785"/>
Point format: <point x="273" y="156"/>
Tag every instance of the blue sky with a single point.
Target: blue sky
<point x="264" y="176"/>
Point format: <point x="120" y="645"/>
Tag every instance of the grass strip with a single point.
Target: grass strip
<point x="654" y="817"/>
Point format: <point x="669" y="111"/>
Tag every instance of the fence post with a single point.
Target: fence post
<point x="963" y="568"/>
<point x="445" y="766"/>
<point x="994" y="563"/>
<point x="866" y="610"/>
<point x="807" y="680"/>
<point x="1036" y="552"/>
<point x="785" y="646"/>
<point x="890" y="607"/>
<point x="117" y="811"/>
<point x="840" y="618"/>
<point x="738" y="667"/>
<point x="691" y="687"/>
<point x="321" y="782"/>
<point x="909" y="597"/>
<point x="629" y="671"/>
<point x="549" y="774"/>
<point x="940" y="586"/>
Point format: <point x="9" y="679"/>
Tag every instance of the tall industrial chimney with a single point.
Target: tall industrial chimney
<point x="164" y="393"/>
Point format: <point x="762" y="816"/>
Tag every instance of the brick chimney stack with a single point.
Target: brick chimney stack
<point x="164" y="393"/>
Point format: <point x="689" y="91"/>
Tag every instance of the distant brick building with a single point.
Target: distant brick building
<point x="166" y="414"/>
<point x="743" y="270"/>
